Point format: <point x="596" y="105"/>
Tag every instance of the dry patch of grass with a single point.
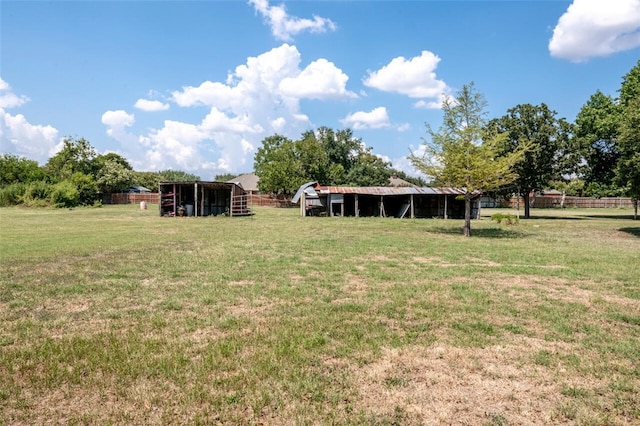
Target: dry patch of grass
<point x="443" y="384"/>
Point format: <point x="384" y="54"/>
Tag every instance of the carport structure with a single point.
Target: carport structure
<point x="382" y="201"/>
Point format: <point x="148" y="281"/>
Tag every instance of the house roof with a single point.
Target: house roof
<point x="248" y="181"/>
<point x="394" y="180"/>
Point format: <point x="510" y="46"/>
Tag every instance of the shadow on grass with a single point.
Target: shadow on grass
<point x="611" y="216"/>
<point x="633" y="231"/>
<point x="479" y="233"/>
<point x="559" y="217"/>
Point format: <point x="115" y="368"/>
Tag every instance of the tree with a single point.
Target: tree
<point x="225" y="177"/>
<point x="463" y="154"/>
<point x="628" y="168"/>
<point x="314" y="159"/>
<point x="177" y="176"/>
<point x="326" y="156"/>
<point x="369" y="170"/>
<point x="76" y="156"/>
<point x="14" y="169"/>
<point x="113" y="176"/>
<point x="112" y="157"/>
<point x="86" y="186"/>
<point x="278" y="166"/>
<point x="596" y="135"/>
<point x="342" y="150"/>
<point x="542" y="138"/>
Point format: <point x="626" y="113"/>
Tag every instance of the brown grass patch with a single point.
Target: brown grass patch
<point x="448" y="385"/>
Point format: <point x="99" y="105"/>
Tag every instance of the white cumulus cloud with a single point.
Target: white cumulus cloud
<point x="591" y="28"/>
<point x="284" y="26"/>
<point x="18" y="136"/>
<point x="8" y="99"/>
<point x="415" y="77"/>
<point x="118" y="119"/>
<point x="150" y="105"/>
<point x="258" y="98"/>
<point x="321" y="79"/>
<point x="375" y="119"/>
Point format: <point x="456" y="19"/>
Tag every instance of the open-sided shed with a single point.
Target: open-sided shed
<point x="202" y="199"/>
<point x="383" y="201"/>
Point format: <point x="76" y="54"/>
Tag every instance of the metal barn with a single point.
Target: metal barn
<point x="413" y="202"/>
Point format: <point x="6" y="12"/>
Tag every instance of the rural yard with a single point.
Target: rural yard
<point x="115" y="315"/>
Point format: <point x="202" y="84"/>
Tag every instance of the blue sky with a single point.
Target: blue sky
<point x="197" y="85"/>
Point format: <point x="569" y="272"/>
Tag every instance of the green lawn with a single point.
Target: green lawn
<point x="113" y="315"/>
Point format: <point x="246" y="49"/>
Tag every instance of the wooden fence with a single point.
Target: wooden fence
<point x="131" y="198"/>
<point x="546" y="202"/>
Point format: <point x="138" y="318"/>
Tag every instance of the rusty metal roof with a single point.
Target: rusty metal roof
<point x="388" y="190"/>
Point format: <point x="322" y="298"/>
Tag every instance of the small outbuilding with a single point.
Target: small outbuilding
<point x="382" y="201"/>
<point x="202" y="199"/>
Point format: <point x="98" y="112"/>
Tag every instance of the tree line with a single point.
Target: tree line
<point x="530" y="148"/>
<point x="75" y="176"/>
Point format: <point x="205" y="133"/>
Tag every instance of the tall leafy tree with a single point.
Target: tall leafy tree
<point x="369" y="170"/>
<point x="313" y="158"/>
<point x="462" y="154"/>
<point x="112" y="176"/>
<point x="342" y="149"/>
<point x="14" y="169"/>
<point x="628" y="168"/>
<point x="534" y="130"/>
<point x="76" y="156"/>
<point x="327" y="156"/>
<point x="596" y="134"/>
<point x="278" y="166"/>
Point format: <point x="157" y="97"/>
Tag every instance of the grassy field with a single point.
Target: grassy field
<point x="116" y="316"/>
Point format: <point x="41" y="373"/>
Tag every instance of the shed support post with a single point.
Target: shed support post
<point x="413" y="209"/>
<point x="303" y="205"/>
<point x="356" y="206"/>
<point x="195" y="200"/>
<point x="445" y="207"/>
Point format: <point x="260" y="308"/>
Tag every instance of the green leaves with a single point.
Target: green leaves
<point x="326" y="156"/>
<point x="463" y="153"/>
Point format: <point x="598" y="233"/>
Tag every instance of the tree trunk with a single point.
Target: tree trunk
<point x="635" y="209"/>
<point x="467" y="215"/>
<point x="527" y="203"/>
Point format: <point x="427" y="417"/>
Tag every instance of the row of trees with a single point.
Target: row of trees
<point x="529" y="148"/>
<point x="76" y="175"/>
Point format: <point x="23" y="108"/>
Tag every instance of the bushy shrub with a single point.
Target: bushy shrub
<point x="11" y="195"/>
<point x="510" y="219"/>
<point x="37" y="194"/>
<point x="87" y="188"/>
<point x="65" y="194"/>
